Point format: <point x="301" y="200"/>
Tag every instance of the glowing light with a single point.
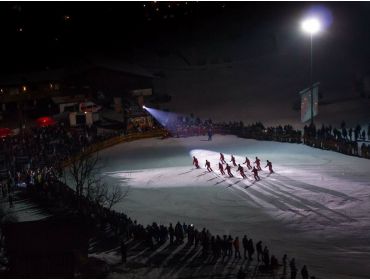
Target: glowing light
<point x="311" y="25"/>
<point x="24" y="88"/>
<point x="166" y="119"/>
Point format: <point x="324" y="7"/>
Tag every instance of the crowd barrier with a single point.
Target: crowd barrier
<point x="114" y="141"/>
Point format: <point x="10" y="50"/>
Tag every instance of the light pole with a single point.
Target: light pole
<point x="311" y="26"/>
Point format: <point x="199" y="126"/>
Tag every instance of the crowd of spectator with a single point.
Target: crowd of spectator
<point x="343" y="140"/>
<point x="279" y="133"/>
<point x="190" y="126"/>
<point x="34" y="154"/>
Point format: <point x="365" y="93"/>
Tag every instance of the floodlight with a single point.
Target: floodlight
<point x="311" y="25"/>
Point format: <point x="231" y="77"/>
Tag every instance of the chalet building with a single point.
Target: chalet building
<point x="35" y="94"/>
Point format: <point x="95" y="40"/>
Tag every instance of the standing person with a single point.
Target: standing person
<point x="224" y="247"/>
<point x="230" y="246"/>
<point x="285" y="257"/>
<point x="259" y="250"/>
<point x="304" y="272"/>
<point x="258" y="163"/>
<point x="269" y="164"/>
<point x="123" y="252"/>
<point x="10" y="198"/>
<point x="250" y="249"/>
<point x="248" y="163"/>
<point x="255" y="174"/>
<point x="221" y="168"/>
<point x="228" y="169"/>
<point x="266" y="256"/>
<point x="222" y="158"/>
<point x="209" y="134"/>
<point x="245" y="245"/>
<point x="208" y="165"/>
<point x="237" y="248"/>
<point x="293" y="269"/>
<point x="195" y="162"/>
<point x="233" y="160"/>
<point x="171" y="231"/>
<point x="241" y="170"/>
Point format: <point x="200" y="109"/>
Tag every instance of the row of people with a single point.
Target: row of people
<point x="255" y="169"/>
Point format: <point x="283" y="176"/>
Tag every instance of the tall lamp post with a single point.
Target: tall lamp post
<point x="311" y="26"/>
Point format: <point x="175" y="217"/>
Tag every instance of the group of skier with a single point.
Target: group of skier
<point x="240" y="169"/>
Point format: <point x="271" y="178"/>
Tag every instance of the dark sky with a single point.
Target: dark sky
<point x="49" y="34"/>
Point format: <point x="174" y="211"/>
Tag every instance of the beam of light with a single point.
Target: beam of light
<point x="168" y="120"/>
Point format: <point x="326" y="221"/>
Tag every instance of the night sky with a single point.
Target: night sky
<point x="46" y="35"/>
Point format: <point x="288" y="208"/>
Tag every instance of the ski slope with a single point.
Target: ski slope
<point x="315" y="207"/>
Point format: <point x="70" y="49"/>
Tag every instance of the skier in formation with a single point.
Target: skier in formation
<point x="228" y="169"/>
<point x="248" y="162"/>
<point x="233" y="160"/>
<point x="222" y="158"/>
<point x="208" y="165"/>
<point x="195" y="162"/>
<point x="255" y="173"/>
<point x="258" y="164"/>
<point x="269" y="164"/>
<point x="241" y="170"/>
<point x="221" y="168"/>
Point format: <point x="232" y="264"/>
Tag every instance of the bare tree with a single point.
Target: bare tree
<point x="84" y="173"/>
<point x="107" y="197"/>
<point x="83" y="170"/>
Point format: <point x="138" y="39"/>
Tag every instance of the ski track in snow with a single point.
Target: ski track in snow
<point x="316" y="199"/>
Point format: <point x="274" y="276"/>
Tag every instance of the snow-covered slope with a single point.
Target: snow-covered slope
<point x="315" y="207"/>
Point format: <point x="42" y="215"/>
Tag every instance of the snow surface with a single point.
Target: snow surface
<point x="314" y="208"/>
